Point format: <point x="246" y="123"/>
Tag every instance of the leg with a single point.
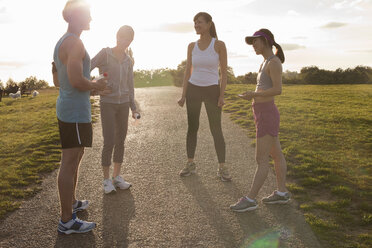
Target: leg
<point x="76" y="175"/>
<point x="193" y="105"/>
<point x="279" y="164"/>
<point x="263" y="148"/>
<point x="121" y="128"/>
<point x="107" y="119"/>
<point x="214" y="117"/>
<point x="69" y="164"/>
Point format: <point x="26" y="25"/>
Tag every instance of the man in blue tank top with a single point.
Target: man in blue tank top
<point x="71" y="69"/>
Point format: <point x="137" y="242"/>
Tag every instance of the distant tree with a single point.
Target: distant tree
<point x="178" y="74"/>
<point x="41" y="84"/>
<point x="10" y="82"/>
<point x="2" y="84"/>
<point x="231" y="79"/>
<point x="249" y="78"/>
<point x="11" y="86"/>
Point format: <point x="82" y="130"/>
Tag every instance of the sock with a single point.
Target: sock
<point x="249" y="199"/>
<point x="281" y="193"/>
<point x="64" y="223"/>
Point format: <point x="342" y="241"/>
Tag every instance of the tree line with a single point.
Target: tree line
<point x="27" y="85"/>
<point x="307" y="75"/>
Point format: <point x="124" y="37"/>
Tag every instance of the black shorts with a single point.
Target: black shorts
<point x="75" y="134"/>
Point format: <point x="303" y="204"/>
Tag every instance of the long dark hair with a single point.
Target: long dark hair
<point x="208" y="18"/>
<point x="279" y="51"/>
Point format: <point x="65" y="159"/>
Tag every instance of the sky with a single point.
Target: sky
<point x="329" y="34"/>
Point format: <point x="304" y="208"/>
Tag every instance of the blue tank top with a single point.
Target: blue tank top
<point x="73" y="105"/>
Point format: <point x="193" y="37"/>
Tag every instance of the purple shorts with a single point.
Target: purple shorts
<point x="266" y="118"/>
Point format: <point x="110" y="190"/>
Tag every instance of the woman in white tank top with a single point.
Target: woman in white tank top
<point x="202" y="83"/>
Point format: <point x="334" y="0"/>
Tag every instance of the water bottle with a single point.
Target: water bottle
<point x="137" y="118"/>
<point x="104" y="75"/>
<point x="108" y="86"/>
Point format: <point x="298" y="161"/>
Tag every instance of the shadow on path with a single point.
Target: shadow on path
<point x="75" y="240"/>
<point x="118" y="210"/>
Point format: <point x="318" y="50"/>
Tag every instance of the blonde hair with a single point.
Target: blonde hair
<point x="71" y="6"/>
<point x="125" y="30"/>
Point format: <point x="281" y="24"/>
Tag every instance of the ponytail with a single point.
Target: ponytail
<point x="279" y="52"/>
<point x="212" y="31"/>
<point x="268" y="37"/>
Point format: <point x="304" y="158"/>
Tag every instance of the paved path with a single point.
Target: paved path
<point x="162" y="209"/>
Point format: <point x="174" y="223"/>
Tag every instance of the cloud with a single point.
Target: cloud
<point x="234" y="55"/>
<point x="361" y="51"/>
<point x="291" y="47"/>
<point x="181" y="27"/>
<point x="2" y="10"/>
<point x="334" y="25"/>
<point x="293" y="13"/>
<point x="12" y="64"/>
<point x="299" y="37"/>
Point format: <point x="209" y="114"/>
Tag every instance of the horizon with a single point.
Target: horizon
<point x="329" y="34"/>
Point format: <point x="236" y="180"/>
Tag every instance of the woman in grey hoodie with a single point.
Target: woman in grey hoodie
<point x="115" y="104"/>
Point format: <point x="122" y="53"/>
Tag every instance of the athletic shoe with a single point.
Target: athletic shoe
<point x="75" y="225"/>
<point x="223" y="173"/>
<point x="120" y="183"/>
<point x="108" y="186"/>
<point x="189" y="169"/>
<point x="244" y="205"/>
<point x="274" y="198"/>
<point x="80" y="206"/>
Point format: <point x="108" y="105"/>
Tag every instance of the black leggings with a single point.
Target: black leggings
<point x="195" y="95"/>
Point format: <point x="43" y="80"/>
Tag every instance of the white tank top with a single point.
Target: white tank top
<point x="205" y="65"/>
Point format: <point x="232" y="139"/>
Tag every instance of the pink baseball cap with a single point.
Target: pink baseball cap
<point x="249" y="39"/>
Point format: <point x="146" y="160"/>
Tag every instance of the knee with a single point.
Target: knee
<point x="108" y="145"/>
<point x="262" y="160"/>
<point x="216" y="131"/>
<point x="193" y="129"/>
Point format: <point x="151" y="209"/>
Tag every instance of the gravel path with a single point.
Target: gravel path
<point x="162" y="209"/>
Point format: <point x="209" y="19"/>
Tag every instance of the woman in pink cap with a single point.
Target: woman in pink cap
<point x="266" y="116"/>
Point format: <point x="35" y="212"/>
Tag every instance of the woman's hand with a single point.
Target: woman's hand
<point x="248" y="95"/>
<point x="135" y="113"/>
<point x="181" y="102"/>
<point x="221" y="101"/>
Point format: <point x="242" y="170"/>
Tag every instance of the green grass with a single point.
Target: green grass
<point x="326" y="136"/>
<point x="29" y="146"/>
<point x="161" y="79"/>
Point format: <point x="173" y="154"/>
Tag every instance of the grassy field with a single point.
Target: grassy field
<point x="161" y="79"/>
<point x="29" y="146"/>
<point x="326" y="135"/>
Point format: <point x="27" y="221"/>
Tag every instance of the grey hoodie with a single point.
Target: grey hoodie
<point x="120" y="77"/>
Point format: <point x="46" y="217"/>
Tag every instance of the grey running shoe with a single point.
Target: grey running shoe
<point x="188" y="170"/>
<point x="75" y="225"/>
<point x="120" y="183"/>
<point x="80" y="206"/>
<point x="244" y="205"/>
<point x="224" y="174"/>
<point x="274" y="198"/>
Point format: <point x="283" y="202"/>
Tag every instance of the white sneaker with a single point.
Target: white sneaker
<point x="108" y="186"/>
<point x="120" y="183"/>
